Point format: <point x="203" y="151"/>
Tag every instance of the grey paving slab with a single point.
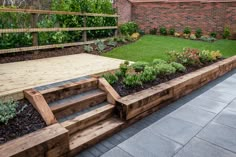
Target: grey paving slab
<point x="232" y="105"/>
<point x="199" y="148"/>
<point x="225" y="87"/>
<point x="116" y="152"/>
<point x="218" y="96"/>
<point x="226" y="117"/>
<point x="207" y="104"/>
<point x="175" y="129"/>
<point x="220" y="135"/>
<point x="193" y="114"/>
<point x="145" y="143"/>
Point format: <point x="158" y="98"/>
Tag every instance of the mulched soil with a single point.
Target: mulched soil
<point x="27" y="121"/>
<point x="122" y="90"/>
<point x="24" y="56"/>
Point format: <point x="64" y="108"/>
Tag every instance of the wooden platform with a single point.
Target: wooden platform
<point x="18" y="76"/>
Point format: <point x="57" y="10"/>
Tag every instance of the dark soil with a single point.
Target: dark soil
<point x="27" y="121"/>
<point x="30" y="55"/>
<point x="122" y="90"/>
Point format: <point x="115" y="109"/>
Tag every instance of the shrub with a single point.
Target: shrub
<point x="118" y="73"/>
<point x="187" y="30"/>
<point x="141" y="32"/>
<point x="112" y="43"/>
<point x="177" y="34"/>
<point x="88" y="48"/>
<point x="121" y="39"/>
<point x="149" y="74"/>
<point x="164" y="69"/>
<point x="128" y="28"/>
<point x="100" y="46"/>
<point x="186" y="36"/>
<point x="179" y="67"/>
<point x="209" y="56"/>
<point x="135" y="36"/>
<point x="193" y="37"/>
<point x="124" y="68"/>
<point x="207" y="38"/>
<point x="132" y="80"/>
<point x="7" y="111"/>
<point x="139" y="66"/>
<point x="153" y="31"/>
<point x="163" y="30"/>
<point x="189" y="56"/>
<point x="213" y="34"/>
<point x="158" y="61"/>
<point x="226" y="33"/>
<point x="198" y="33"/>
<point x="111" y="79"/>
<point x="172" y="31"/>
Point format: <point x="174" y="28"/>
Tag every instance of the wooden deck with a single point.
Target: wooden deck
<point x="18" y="76"/>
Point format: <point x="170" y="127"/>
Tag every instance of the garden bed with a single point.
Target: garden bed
<point x="151" y="99"/>
<point x="30" y="55"/>
<point x="27" y="120"/>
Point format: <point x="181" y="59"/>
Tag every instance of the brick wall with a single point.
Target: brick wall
<point x="124" y="10"/>
<point x="209" y="16"/>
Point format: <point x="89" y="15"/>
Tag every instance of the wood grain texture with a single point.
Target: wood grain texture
<point x="40" y="104"/>
<point x="40" y="143"/>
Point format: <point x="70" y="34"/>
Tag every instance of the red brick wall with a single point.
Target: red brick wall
<point x="124" y="10"/>
<point x="207" y="16"/>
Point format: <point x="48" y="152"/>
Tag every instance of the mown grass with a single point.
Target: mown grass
<point x="150" y="47"/>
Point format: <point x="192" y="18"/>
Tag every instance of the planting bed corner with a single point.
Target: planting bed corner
<point x="140" y="104"/>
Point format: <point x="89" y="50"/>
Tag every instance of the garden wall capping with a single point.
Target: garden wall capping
<point x="51" y="141"/>
<point x="158" y="96"/>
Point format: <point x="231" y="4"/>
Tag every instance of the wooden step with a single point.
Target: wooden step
<point x="87" y="119"/>
<point x="92" y="135"/>
<point x="76" y="103"/>
<point x="64" y="91"/>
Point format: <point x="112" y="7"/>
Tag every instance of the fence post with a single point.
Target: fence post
<point x="117" y="24"/>
<point x="34" y="20"/>
<point x="85" y="25"/>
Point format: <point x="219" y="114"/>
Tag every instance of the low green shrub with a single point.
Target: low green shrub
<point x="179" y="67"/>
<point x="226" y="33"/>
<point x="172" y="31"/>
<point x="207" y="38"/>
<point x="163" y="30"/>
<point x="88" y="48"/>
<point x="148" y="74"/>
<point x="198" y="33"/>
<point x="213" y="34"/>
<point x="153" y="31"/>
<point x="141" y="32"/>
<point x="187" y="30"/>
<point x="164" y="69"/>
<point x="118" y="73"/>
<point x="158" y="61"/>
<point x="139" y="66"/>
<point x="121" y="39"/>
<point x="209" y="56"/>
<point x="111" y="78"/>
<point x="7" y="111"/>
<point x="128" y="28"/>
<point x="193" y="37"/>
<point x="132" y="80"/>
<point x="100" y="45"/>
<point x="112" y="43"/>
<point x="124" y="67"/>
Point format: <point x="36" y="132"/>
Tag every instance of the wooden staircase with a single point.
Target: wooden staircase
<point x="83" y="109"/>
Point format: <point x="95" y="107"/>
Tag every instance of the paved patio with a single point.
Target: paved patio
<point x="15" y="77"/>
<point x="202" y="124"/>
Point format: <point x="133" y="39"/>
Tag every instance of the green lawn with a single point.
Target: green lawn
<point x="149" y="47"/>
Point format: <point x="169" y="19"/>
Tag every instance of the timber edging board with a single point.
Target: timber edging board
<point x="141" y="102"/>
<point x="52" y="141"/>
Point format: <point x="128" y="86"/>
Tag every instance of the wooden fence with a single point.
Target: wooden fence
<point x="34" y="30"/>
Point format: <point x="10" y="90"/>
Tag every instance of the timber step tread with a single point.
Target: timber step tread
<point x="80" y="121"/>
<point x="85" y="113"/>
<point x="70" y="101"/>
<point x="94" y="134"/>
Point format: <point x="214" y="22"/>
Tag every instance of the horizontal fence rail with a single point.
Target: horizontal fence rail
<point x="32" y="11"/>
<point x="34" y="30"/>
<point x="30" y="30"/>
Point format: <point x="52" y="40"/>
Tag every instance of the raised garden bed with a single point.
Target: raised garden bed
<point x="27" y="120"/>
<point x="149" y="100"/>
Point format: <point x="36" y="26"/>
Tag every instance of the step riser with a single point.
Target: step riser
<point x="78" y="106"/>
<point x="90" y="120"/>
<point x="69" y="90"/>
